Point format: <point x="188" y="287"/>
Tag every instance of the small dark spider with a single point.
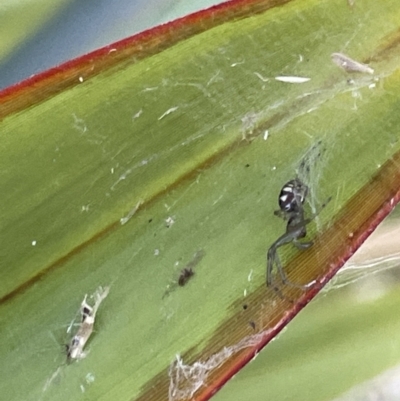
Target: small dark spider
<point x="291" y="200"/>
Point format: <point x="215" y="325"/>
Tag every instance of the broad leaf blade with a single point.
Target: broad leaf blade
<point x="179" y="136"/>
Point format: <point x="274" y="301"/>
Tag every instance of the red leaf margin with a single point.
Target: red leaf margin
<point x="132" y="49"/>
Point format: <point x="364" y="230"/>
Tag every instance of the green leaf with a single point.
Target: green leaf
<point x="121" y="167"/>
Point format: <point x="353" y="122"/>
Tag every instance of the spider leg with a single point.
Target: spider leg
<point x="282" y="214"/>
<point x="302" y="245"/>
<point x="271" y="255"/>
<point x="273" y="259"/>
<point x="286" y="281"/>
<point x="295" y="230"/>
<point x="280" y="269"/>
<point x="284" y="278"/>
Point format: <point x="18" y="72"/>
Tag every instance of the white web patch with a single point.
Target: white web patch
<point x="185" y="380"/>
<point x="379" y="255"/>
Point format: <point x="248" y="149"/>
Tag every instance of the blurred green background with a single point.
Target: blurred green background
<point x="36" y="35"/>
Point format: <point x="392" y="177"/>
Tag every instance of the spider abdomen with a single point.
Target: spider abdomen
<point x="292" y="196"/>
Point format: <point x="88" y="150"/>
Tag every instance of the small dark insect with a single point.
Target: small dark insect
<point x="186" y="273"/>
<point x="185" y="276"/>
<point x="291" y="200"/>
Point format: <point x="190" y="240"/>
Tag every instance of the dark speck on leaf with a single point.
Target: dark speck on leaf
<point x="188" y="271"/>
<point x="185" y="276"/>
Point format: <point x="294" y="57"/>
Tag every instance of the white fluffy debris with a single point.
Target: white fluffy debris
<point x="186" y="379"/>
<point x="169" y="111"/>
<point x="88" y="313"/>
<point x="125" y="219"/>
<point x="292" y="79"/>
<point x="350" y="65"/>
